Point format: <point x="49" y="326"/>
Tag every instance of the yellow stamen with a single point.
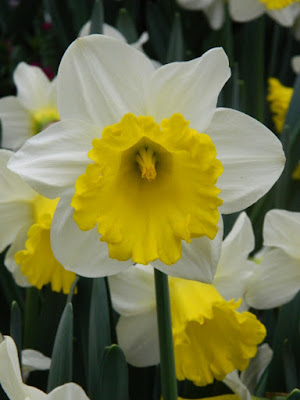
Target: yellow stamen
<point x="147" y="160"/>
<point x="278" y="4"/>
<point x="42" y="118"/>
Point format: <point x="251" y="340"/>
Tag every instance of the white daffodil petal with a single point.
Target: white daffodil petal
<point x="10" y="374"/>
<point x="296" y="59"/>
<point x="238" y="244"/>
<point x="281" y="229"/>
<point x="68" y="391"/>
<point x="91" y="85"/>
<point x="251" y="155"/>
<point x="190" y="88"/>
<point x="233" y="381"/>
<point x="251" y="376"/>
<point x="275" y="281"/>
<point x="14" y="215"/>
<point x="108" y="30"/>
<point x="286" y="16"/>
<point x="34" y="360"/>
<point x="234" y="269"/>
<point x="199" y="259"/>
<point x="16" y="123"/>
<point x="245" y="10"/>
<point x="79" y="251"/>
<point x="32" y="86"/>
<point x="138" y="338"/>
<point x="132" y="291"/>
<point x="13" y="188"/>
<point x="52" y="160"/>
<point x="216" y="14"/>
<point x="9" y="261"/>
<point x="194" y="4"/>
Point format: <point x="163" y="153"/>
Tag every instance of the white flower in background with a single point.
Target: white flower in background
<point x="213" y="9"/>
<point x="13" y="386"/>
<point x="127" y="161"/>
<point x="284" y="12"/>
<point x="112" y="32"/>
<point x="296" y="63"/>
<point x="276" y="279"/>
<point x="33" y="360"/>
<point x="33" y="109"/>
<point x="273" y="278"/>
<point x="234" y="267"/>
<point x="25" y="225"/>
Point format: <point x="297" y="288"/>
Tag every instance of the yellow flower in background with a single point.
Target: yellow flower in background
<point x="31" y="110"/>
<point x="211" y="338"/>
<point x="279" y="97"/>
<point x="25" y="225"/>
<point x="278" y="4"/>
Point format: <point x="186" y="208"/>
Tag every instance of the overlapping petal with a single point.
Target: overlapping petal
<point x="52" y="160"/>
<point x="98" y="64"/>
<point x="195" y="86"/>
<point x="80" y="251"/>
<point x="251" y="155"/>
<point x="246" y="10"/>
<point x="281" y="229"/>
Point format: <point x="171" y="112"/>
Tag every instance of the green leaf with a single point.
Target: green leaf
<point x="99" y="335"/>
<point x="16" y="327"/>
<point x="114" y="376"/>
<point x="62" y="354"/>
<point x="97" y="19"/>
<point x="176" y="44"/>
<point x="126" y="26"/>
<point x="158" y="29"/>
<point x="62" y="20"/>
<point x="287" y="331"/>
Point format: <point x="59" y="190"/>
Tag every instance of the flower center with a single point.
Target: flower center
<point x="149" y="187"/>
<point x="37" y="261"/>
<point x="278" y="4"/>
<point x="147" y="160"/>
<point x="42" y="118"/>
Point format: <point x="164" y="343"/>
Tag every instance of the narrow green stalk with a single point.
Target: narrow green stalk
<point x="31" y="316"/>
<point x="167" y="362"/>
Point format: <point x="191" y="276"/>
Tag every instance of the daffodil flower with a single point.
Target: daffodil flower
<point x="211" y="339"/>
<point x="269" y="279"/>
<point x="12" y="384"/>
<point x="276" y="279"/>
<point x="144" y="162"/>
<point x="32" y="110"/>
<point x="25" y="225"/>
<point x="213" y="9"/>
<point x="284" y="12"/>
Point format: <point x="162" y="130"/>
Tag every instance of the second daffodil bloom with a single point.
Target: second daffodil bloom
<point x="13" y="386"/>
<point x="25" y="225"/>
<point x="211" y="339"/>
<point x="144" y="162"/>
<point x="32" y="110"/>
<point x="284" y="12"/>
<point x="276" y="279"/>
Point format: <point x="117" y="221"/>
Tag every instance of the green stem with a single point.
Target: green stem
<point x="167" y="362"/>
<point x="31" y="316"/>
